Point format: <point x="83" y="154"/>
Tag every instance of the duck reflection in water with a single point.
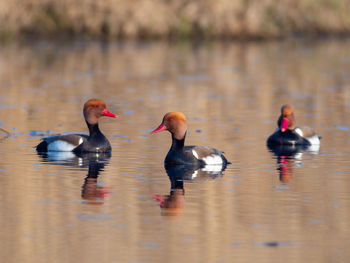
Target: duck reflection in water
<point x="173" y="204"/>
<point x="289" y="156"/>
<point x="92" y="192"/>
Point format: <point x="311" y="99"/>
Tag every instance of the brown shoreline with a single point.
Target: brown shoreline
<point x="174" y="19"/>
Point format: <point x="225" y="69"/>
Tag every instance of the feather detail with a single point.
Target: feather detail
<point x="308" y="134"/>
<point x="64" y="143"/>
<point x="208" y="155"/>
<point x="195" y="154"/>
<point x="60" y="146"/>
<point x="213" y="159"/>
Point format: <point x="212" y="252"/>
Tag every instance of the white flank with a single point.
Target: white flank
<point x="299" y="131"/>
<point x="213" y="159"/>
<point x="314" y="140"/>
<point x="81" y="140"/>
<point x="60" y="146"/>
<point x="195" y="153"/>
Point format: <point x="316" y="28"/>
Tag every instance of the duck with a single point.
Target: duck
<point x="179" y="154"/>
<point x="96" y="142"/>
<point x="288" y="133"/>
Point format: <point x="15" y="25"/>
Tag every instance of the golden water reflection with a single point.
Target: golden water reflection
<point x="173" y="204"/>
<point x="92" y="192"/>
<point x="232" y="94"/>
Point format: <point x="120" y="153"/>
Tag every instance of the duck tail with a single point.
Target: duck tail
<point x="226" y="162"/>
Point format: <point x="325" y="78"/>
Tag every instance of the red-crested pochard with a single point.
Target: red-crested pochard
<point x="80" y="143"/>
<point x="288" y="134"/>
<point x="175" y="123"/>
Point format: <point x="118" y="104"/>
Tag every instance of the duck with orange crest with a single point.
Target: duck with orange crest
<point x="199" y="156"/>
<point x="81" y="143"/>
<point x="289" y="134"/>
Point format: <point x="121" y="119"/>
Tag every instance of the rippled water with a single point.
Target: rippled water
<point x="119" y="208"/>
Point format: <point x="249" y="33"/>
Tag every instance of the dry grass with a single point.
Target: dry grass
<point x="174" y="18"/>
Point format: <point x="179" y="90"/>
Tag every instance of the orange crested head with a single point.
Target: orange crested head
<point x="286" y="110"/>
<point x="286" y="120"/>
<point x="94" y="103"/>
<point x="94" y="109"/>
<point x="175" y="123"/>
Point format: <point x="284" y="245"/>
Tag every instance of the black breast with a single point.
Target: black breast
<point x="288" y="137"/>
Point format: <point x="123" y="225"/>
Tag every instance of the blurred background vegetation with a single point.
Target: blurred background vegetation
<point x="134" y="19"/>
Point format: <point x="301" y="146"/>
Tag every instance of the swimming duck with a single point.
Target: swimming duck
<point x="288" y="134"/>
<point x="80" y="143"/>
<point x="176" y="124"/>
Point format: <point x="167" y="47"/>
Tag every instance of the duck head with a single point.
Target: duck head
<point x="94" y="109"/>
<point x="175" y="123"/>
<point x="286" y="120"/>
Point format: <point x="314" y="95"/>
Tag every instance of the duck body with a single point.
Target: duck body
<point x="77" y="143"/>
<point x="289" y="137"/>
<point x="61" y="143"/>
<point x="80" y="143"/>
<point x="288" y="134"/>
<point x="286" y="149"/>
<point x="179" y="154"/>
<point x="194" y="155"/>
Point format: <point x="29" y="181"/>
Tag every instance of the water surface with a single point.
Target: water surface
<point x="125" y="207"/>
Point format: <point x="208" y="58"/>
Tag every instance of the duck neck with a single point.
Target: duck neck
<point x="176" y="143"/>
<point x="94" y="131"/>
